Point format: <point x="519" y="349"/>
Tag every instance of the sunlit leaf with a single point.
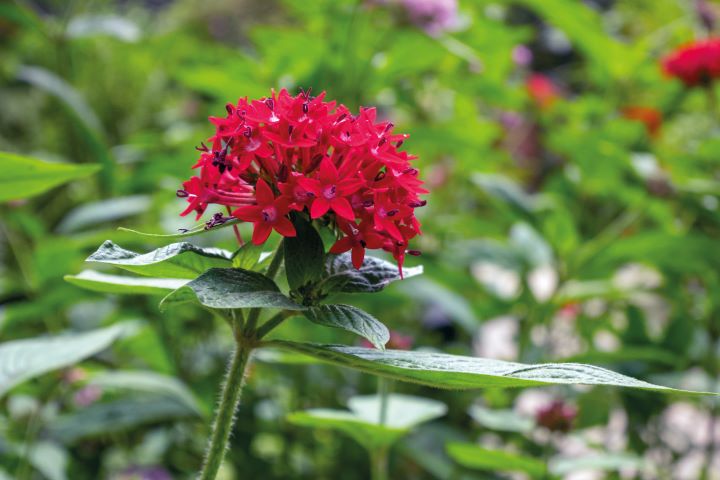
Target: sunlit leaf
<point x="102" y="282"/>
<point x="442" y="370"/>
<point x="95" y="213"/>
<point x="24" y="177"/>
<point x="21" y="360"/>
<point x="177" y="260"/>
<point x="473" y="456"/>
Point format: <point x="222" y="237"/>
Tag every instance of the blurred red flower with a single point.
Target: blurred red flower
<point x="651" y="117"/>
<point x="558" y="416"/>
<point x="542" y="90"/>
<point x="287" y="153"/>
<point x="696" y="63"/>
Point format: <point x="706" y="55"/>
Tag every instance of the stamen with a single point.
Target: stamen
<point x="393" y="212"/>
<point x="270" y="103"/>
<point x="420" y="203"/>
<point x="182" y="194"/>
<point x="414" y="253"/>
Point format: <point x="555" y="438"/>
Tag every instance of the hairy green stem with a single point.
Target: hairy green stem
<point x="225" y="416"/>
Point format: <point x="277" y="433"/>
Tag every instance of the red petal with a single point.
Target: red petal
<point x="285" y="227"/>
<point x="261" y="232"/>
<point x="319" y="207"/>
<point x="342" y="245"/>
<point x="342" y="207"/>
<point x="263" y="193"/>
<point x="358" y="255"/>
<point x="250" y="213"/>
<point x="328" y="172"/>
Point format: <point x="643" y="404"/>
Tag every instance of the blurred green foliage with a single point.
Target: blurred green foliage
<point x="555" y="231"/>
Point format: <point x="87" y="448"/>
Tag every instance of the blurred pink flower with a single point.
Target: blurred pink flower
<point x="434" y="16"/>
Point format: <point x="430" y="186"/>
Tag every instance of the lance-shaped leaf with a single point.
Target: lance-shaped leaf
<point x="374" y="274"/>
<point x="351" y="319"/>
<point x="226" y="288"/>
<point x="362" y="422"/>
<point x="474" y="456"/>
<point x="24" y="177"/>
<point x="123" y="414"/>
<point x="21" y="360"/>
<point x="442" y="370"/>
<point x="177" y="260"/>
<point x="101" y="282"/>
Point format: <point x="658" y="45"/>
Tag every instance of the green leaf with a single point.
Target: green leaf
<point x="374" y="275"/>
<point x="351" y="319"/>
<point x="196" y="230"/>
<point x="25" y="359"/>
<point x="247" y="256"/>
<point x="362" y="422"/>
<point x="24" y="177"/>
<point x="123" y="414"/>
<point x="177" y="260"/>
<point x="94" y="213"/>
<point x="501" y="420"/>
<point x="226" y="288"/>
<point x="507" y="191"/>
<point x="148" y="382"/>
<point x="101" y="282"/>
<point x="304" y="255"/>
<point x="475" y="457"/>
<point x="115" y="26"/>
<point x="601" y="461"/>
<point x="442" y="370"/>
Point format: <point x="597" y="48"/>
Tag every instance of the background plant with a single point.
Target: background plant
<point x="624" y="221"/>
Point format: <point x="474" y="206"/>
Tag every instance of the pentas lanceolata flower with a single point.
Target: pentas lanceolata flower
<point x="274" y="156"/>
<point x="697" y="63"/>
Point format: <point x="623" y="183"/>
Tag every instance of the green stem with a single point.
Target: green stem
<point x="225" y="416"/>
<point x="384" y="393"/>
<point x="254" y="315"/>
<point x="275" y="321"/>
<point x="276" y="261"/>
<point x="379" y="464"/>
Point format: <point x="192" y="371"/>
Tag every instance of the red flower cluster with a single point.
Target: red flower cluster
<point x="287" y="153"/>
<point x="695" y="63"/>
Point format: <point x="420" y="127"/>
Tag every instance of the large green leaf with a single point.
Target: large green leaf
<point x="473" y="456"/>
<point x="374" y="274"/>
<point x="101" y="282"/>
<point x="457" y="372"/>
<point x="601" y="461"/>
<point x="177" y="260"/>
<point x="304" y="255"/>
<point x="226" y="288"/>
<point x="24" y="177"/>
<point x="362" y="422"/>
<point x="21" y="360"/>
<point x="148" y="382"/>
<point x="123" y="414"/>
<point x="351" y="319"/>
